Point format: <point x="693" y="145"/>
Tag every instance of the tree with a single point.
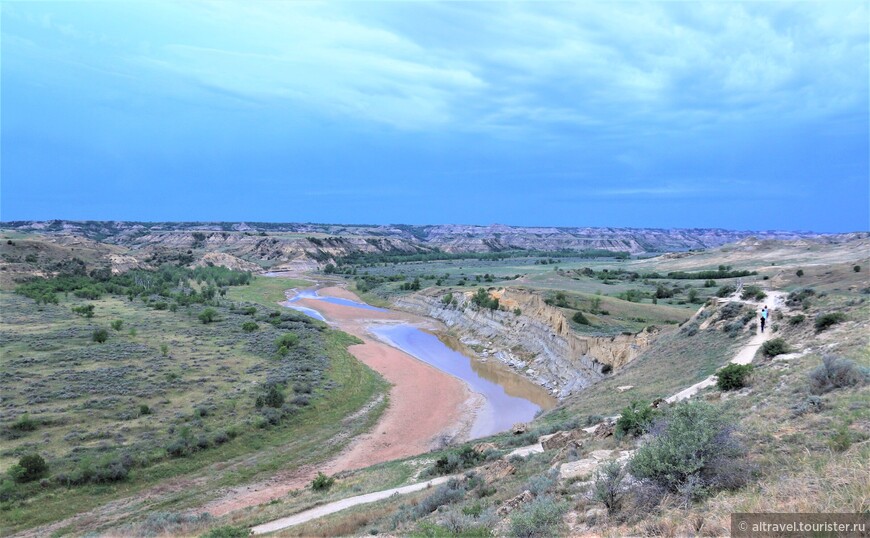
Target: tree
<point x="30" y="467"/>
<point x="100" y="335"/>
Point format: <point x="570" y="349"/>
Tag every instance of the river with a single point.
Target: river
<point x="508" y="398"/>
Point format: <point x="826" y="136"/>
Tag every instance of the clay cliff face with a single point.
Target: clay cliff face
<point x="539" y="342"/>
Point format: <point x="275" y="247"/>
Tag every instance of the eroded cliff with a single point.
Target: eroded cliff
<point x="530" y="336"/>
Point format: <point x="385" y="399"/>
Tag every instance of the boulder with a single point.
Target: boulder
<point x="519" y="428"/>
<point x="560" y="439"/>
<point x="603" y="430"/>
<point x="578" y="469"/>
<point x="480" y="448"/>
<point x="513" y="503"/>
<point x="496" y="471"/>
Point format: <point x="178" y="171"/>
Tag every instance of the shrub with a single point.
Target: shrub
<point x="286" y="341"/>
<point x="692" y="452"/>
<point x="84" y="310"/>
<point x="100" y="335"/>
<point x="24" y="424"/>
<point x="208" y="315"/>
<point x="580" y="318"/>
<point x="726" y="290"/>
<point x="812" y="404"/>
<point x="635" y="419"/>
<point x="228" y="531"/>
<point x="517" y="311"/>
<point x="828" y="320"/>
<point x="322" y="482"/>
<point x="249" y="326"/>
<point x="836" y="373"/>
<point x="540" y="518"/>
<point x="274" y="397"/>
<point x="164" y="349"/>
<point x="856" y="268"/>
<point x="30" y="467"/>
<point x="799" y="272"/>
<point x="774" y="347"/>
<point x="797" y="320"/>
<point x="733" y="376"/>
<point x="752" y="292"/>
<point x="144" y="409"/>
<point x="117" y="324"/>
<point x="456" y="461"/>
<point x="608" y="489"/>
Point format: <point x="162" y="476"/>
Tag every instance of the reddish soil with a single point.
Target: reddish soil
<point x="425" y="406"/>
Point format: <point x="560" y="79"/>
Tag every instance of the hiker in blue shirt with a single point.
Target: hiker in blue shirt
<point x="764" y="313"/>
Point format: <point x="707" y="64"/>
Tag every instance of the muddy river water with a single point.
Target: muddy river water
<point x="508" y="398"/>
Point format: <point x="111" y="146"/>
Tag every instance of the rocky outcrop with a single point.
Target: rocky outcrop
<point x="227" y="260"/>
<point x="539" y="341"/>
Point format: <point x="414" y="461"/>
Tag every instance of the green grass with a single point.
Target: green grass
<point x="266" y="291"/>
<point x="209" y="366"/>
<point x="675" y="362"/>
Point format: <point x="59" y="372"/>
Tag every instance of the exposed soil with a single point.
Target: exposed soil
<point x="427" y="407"/>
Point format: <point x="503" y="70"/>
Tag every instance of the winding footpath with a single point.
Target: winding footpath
<point x="775" y="300"/>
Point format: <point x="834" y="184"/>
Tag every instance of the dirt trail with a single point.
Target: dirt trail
<point x="427" y="406"/>
<point x="337" y="506"/>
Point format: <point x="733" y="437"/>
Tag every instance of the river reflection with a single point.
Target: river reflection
<point x="504" y="404"/>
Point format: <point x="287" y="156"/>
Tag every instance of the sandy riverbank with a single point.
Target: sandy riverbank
<point x="427" y="407"/>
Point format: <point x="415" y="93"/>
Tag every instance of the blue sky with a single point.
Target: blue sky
<point x="735" y="115"/>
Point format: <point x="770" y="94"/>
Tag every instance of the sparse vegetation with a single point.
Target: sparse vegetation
<point x="322" y="482"/>
<point x="836" y="373"/>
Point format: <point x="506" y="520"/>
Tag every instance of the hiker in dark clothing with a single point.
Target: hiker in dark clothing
<point x="763" y="317"/>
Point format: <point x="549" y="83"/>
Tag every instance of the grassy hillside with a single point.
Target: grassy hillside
<point x="166" y="398"/>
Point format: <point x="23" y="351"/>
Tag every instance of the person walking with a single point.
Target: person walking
<point x="763" y="317"/>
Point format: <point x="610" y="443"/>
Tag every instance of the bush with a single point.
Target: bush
<point x="117" y="324"/>
<point x="797" y="320"/>
<point x="100" y="335"/>
<point x="29" y="468"/>
<point x="726" y="290"/>
<point x="578" y="317"/>
<point x="208" y="315"/>
<point x="84" y="310"/>
<point x="608" y="489"/>
<point x="752" y="292"/>
<point x="733" y="376"/>
<point x="774" y="347"/>
<point x="836" y="373"/>
<point x="456" y="461"/>
<point x="24" y="424"/>
<point x="826" y="321"/>
<point x="228" y="531"/>
<point x="692" y="453"/>
<point x="541" y="517"/>
<point x="856" y="268"/>
<point x="799" y="272"/>
<point x="286" y="341"/>
<point x="322" y="482"/>
<point x="144" y="409"/>
<point x="635" y="419"/>
<point x="249" y="326"/>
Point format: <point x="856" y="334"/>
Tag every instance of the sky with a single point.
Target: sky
<point x="746" y="116"/>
